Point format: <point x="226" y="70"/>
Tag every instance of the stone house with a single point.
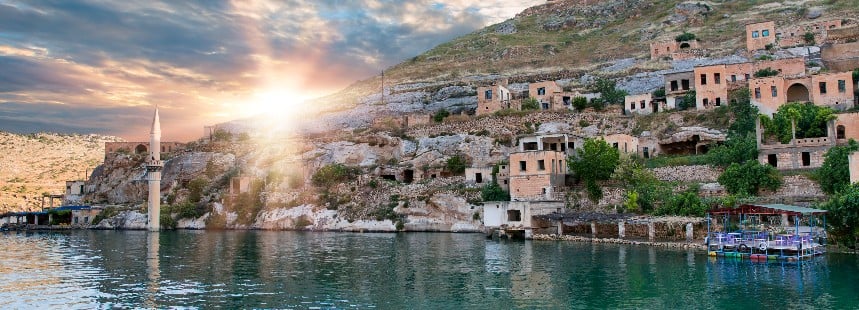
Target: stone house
<point x="503" y="177"/>
<point x="623" y="142"/>
<point x="677" y="84"/>
<point x="846" y="127"/>
<point x="673" y="49"/>
<point x="518" y="216"/>
<point x="551" y="96"/>
<point x="713" y="83"/>
<point x="478" y="176"/>
<point x="640" y="104"/>
<point x="759" y="35"/>
<point x="834" y="90"/>
<point x="85" y="215"/>
<point x="491" y="99"/>
<point x="798" y="153"/>
<point x="552" y="142"/>
<point x="75" y="191"/>
<point x="537" y="175"/>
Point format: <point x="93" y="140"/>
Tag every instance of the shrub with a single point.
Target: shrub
<point x="107" y="213"/>
<point x="222" y="135"/>
<point x="439" y="115"/>
<point x="332" y="174"/>
<point x="843" y="217"/>
<point x="456" y="164"/>
<point x="530" y="104"/>
<point x="769" y="46"/>
<point x="766" y="72"/>
<point x="686" y="36"/>
<point x="195" y="188"/>
<point x="686" y="203"/>
<point x="609" y="94"/>
<point x="735" y="150"/>
<point x="764" y="57"/>
<point x="493" y="192"/>
<point x="808" y="37"/>
<point x="748" y="178"/>
<point x="580" y="103"/>
<point x="687" y="102"/>
<point x="659" y="93"/>
<point x="834" y="174"/>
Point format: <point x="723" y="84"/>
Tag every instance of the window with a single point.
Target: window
<point x="772" y="159"/>
<point x="774" y="91"/>
<point x="718" y="101"/>
<point x="646" y="152"/>
<point x="703" y="79"/>
<point x="842" y="86"/>
<point x="478" y="177"/>
<point x="839" y="132"/>
<point x="673" y="85"/>
<point x="765" y="33"/>
<point x="642" y="104"/>
<point x="822" y="87"/>
<point x="488" y="95"/>
<point x="733" y="77"/>
<point x="706" y="102"/>
<point x="757" y="93"/>
<point x="541" y="91"/>
<point x="755" y="34"/>
<point x="571" y="145"/>
<point x="806" y="159"/>
<point x="684" y="84"/>
<point x="632" y="105"/>
<point x="615" y="145"/>
<point x="747" y="76"/>
<point x="523" y="166"/>
<point x="717" y="77"/>
<point x="514" y="215"/>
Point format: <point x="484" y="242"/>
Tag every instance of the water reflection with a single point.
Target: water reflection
<point x="153" y="270"/>
<point x="337" y="270"/>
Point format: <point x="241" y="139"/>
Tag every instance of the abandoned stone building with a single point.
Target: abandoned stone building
<point x="551" y="96"/>
<point x="623" y="142"/>
<point x="677" y="84"/>
<point x="552" y="142"/>
<point x="762" y="35"/>
<point x="798" y="153"/>
<point x="714" y="82"/>
<point x="674" y="50"/>
<point x="640" y="104"/>
<point x="478" y="175"/>
<point x="503" y="177"/>
<point x="834" y="90"/>
<point x="847" y="127"/>
<point x="538" y="170"/>
<point x="75" y="191"/>
<point x="139" y="147"/>
<point x="841" y="57"/>
<point x="491" y="99"/>
<point x="518" y="217"/>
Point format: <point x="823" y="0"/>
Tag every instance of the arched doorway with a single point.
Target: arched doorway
<point x="140" y="149"/>
<point x="798" y="93"/>
<point x="684" y="45"/>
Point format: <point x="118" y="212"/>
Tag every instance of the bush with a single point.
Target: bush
<point x="595" y="161"/>
<point x="748" y="178"/>
<point x="735" y="150"/>
<point x="222" y="135"/>
<point x="195" y="188"/>
<point x="843" y="217"/>
<point x="686" y="36"/>
<point x="808" y="37"/>
<point x="456" y="164"/>
<point x="644" y="190"/>
<point x="766" y="72"/>
<point x="530" y="104"/>
<point x="580" y="103"/>
<point x="769" y="46"/>
<point x="439" y="115"/>
<point x="686" y="203"/>
<point x="834" y="174"/>
<point x="493" y="192"/>
<point x="332" y="174"/>
<point x="107" y="213"/>
<point x="609" y="94"/>
<point x="764" y="57"/>
<point x="659" y="93"/>
<point x="687" y="102"/>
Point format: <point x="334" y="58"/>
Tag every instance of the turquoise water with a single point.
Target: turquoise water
<point x="88" y="269"/>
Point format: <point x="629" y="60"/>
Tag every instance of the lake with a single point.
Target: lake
<point x="262" y="269"/>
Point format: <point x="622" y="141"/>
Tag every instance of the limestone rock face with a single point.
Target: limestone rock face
<point x="124" y="220"/>
<point x="689" y="133"/>
<point x="507" y="27"/>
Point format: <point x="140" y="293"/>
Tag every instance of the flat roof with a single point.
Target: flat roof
<point x="769" y="209"/>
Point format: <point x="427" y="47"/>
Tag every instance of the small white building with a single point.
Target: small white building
<point x="74" y="192"/>
<point x="518" y="215"/>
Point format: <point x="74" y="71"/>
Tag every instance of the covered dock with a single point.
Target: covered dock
<point x="766" y="232"/>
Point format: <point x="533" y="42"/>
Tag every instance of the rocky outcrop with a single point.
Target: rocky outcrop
<point x="688" y="134"/>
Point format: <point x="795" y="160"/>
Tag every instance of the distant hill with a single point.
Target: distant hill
<point x="580" y="36"/>
<point x="34" y="164"/>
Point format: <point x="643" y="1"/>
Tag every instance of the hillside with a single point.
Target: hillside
<point x="569" y="38"/>
<point x="41" y="163"/>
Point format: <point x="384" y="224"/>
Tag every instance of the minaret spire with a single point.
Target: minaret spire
<point x="153" y="168"/>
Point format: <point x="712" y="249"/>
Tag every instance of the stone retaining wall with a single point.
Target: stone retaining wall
<point x="677" y="245"/>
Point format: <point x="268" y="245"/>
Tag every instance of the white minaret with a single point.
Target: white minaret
<point x="153" y="169"/>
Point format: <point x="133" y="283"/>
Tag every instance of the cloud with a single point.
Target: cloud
<point x="100" y="66"/>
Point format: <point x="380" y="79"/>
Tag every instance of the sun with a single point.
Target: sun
<point x="277" y="103"/>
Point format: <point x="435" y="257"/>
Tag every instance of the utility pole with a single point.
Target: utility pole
<point x="383" y="87"/>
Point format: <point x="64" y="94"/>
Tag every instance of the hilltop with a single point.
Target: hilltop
<point x="40" y="163"/>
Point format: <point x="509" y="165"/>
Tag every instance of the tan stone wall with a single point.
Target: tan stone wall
<point x="850" y="123"/>
<point x="524" y="187"/>
<point x="760" y="41"/>
<point x="531" y="182"/>
<point x="840" y="57"/>
<point x="761" y="92"/>
<point x="418" y="119"/>
<point x="625" y="143"/>
<point x="550" y="89"/>
<point x="833" y="97"/>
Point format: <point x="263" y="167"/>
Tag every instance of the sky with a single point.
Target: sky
<point x="102" y="66"/>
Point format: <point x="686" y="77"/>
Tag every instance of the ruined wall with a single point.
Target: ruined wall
<point x="640" y="104"/>
<point x="491" y="99"/>
<point x="840" y="57"/>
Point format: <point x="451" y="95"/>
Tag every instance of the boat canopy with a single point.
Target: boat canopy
<point x="769" y="209"/>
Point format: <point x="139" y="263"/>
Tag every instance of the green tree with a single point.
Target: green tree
<point x="686" y="102"/>
<point x="686" y="203"/>
<point x="456" y="164"/>
<point x="735" y="150"/>
<point x="743" y="113"/>
<point x="580" y="103"/>
<point x="649" y="191"/>
<point x="594" y="162"/>
<point x="843" y="217"/>
<point x="530" y="103"/>
<point x="494" y="192"/>
<point x="834" y="174"/>
<point x="811" y="121"/>
<point x="748" y="178"/>
<point x="659" y="93"/>
<point x="195" y="189"/>
<point x="440" y="115"/>
<point x="609" y="94"/>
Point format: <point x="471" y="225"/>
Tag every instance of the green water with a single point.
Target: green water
<point x="105" y="269"/>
